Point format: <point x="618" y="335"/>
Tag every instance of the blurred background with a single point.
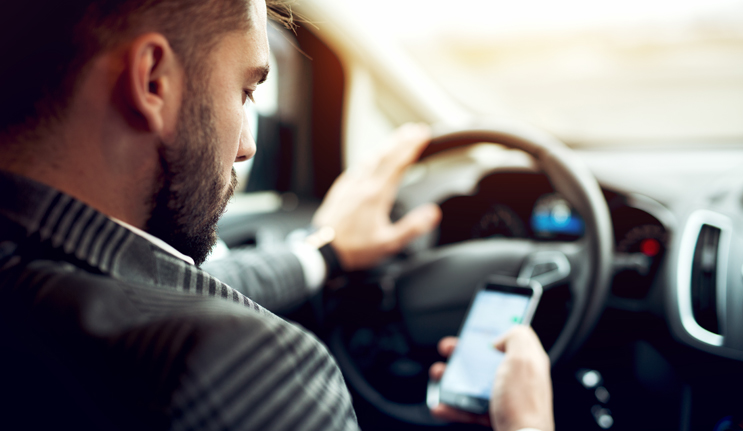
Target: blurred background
<point x="591" y="72"/>
<point x="638" y="73"/>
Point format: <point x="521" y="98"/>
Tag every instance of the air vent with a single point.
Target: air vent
<point x="704" y="278"/>
<point x="702" y="293"/>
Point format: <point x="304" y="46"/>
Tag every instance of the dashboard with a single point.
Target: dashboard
<point x="525" y="205"/>
<point x="653" y="194"/>
<point x="669" y="337"/>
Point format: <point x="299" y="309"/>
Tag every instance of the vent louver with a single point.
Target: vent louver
<point x="704" y="278"/>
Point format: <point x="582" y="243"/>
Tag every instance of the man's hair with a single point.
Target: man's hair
<point x="47" y="45"/>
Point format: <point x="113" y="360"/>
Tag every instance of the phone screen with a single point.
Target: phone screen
<point x="471" y="369"/>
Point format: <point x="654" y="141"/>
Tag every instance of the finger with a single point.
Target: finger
<point x="520" y="337"/>
<point x="450" y="414"/>
<point x="437" y="370"/>
<point x="502" y="342"/>
<point x="408" y="142"/>
<point x="414" y="224"/>
<point x="446" y="346"/>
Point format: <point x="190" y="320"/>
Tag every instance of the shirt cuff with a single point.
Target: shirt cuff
<point x="313" y="265"/>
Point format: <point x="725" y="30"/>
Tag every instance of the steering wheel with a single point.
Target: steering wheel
<point x="431" y="283"/>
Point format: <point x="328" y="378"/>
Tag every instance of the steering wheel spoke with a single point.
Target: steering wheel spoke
<point x="449" y="275"/>
<point x="547" y="267"/>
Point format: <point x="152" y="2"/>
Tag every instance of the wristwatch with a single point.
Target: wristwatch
<point x="321" y="238"/>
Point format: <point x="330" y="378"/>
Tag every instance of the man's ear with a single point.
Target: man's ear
<point x="154" y="78"/>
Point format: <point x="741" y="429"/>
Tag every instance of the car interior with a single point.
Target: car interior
<point x="637" y="240"/>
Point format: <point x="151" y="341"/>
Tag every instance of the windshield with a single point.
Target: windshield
<point x="590" y="72"/>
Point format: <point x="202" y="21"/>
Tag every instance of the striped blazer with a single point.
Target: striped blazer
<point x="102" y="329"/>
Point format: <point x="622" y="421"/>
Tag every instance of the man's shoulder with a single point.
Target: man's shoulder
<point x="58" y="284"/>
<point x="68" y="300"/>
<point x="175" y="357"/>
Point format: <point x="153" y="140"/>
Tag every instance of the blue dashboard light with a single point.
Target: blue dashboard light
<point x="553" y="216"/>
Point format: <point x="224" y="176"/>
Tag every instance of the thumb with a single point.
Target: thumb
<point x="500" y="343"/>
<point x="520" y="337"/>
<point x="415" y="223"/>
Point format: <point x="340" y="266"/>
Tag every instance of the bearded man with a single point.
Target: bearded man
<point x="119" y="124"/>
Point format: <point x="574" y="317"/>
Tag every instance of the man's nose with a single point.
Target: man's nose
<point x="246" y="147"/>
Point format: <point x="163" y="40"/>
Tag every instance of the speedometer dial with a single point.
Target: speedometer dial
<point x="499" y="221"/>
<point x="637" y="258"/>
<point x="647" y="239"/>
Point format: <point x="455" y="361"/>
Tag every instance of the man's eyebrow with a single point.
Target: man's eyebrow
<point x="259" y="74"/>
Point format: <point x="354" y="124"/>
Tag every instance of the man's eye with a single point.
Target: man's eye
<point x="248" y="95"/>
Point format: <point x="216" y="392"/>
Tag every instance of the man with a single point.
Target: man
<point x="119" y="126"/>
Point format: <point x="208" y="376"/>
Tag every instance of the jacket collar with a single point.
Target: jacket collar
<point x="157" y="241"/>
<point x="49" y="221"/>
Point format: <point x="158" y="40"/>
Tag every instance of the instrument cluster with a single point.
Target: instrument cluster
<point x="525" y="205"/>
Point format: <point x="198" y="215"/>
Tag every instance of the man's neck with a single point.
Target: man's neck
<point x="108" y="183"/>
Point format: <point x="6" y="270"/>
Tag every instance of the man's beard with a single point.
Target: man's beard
<point x="191" y="196"/>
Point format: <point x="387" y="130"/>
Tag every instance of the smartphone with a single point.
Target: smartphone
<point x="499" y="304"/>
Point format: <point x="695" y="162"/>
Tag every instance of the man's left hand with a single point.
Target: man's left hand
<point x="359" y="202"/>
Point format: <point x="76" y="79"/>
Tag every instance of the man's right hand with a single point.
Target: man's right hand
<point x="358" y="204"/>
<point x="522" y="392"/>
